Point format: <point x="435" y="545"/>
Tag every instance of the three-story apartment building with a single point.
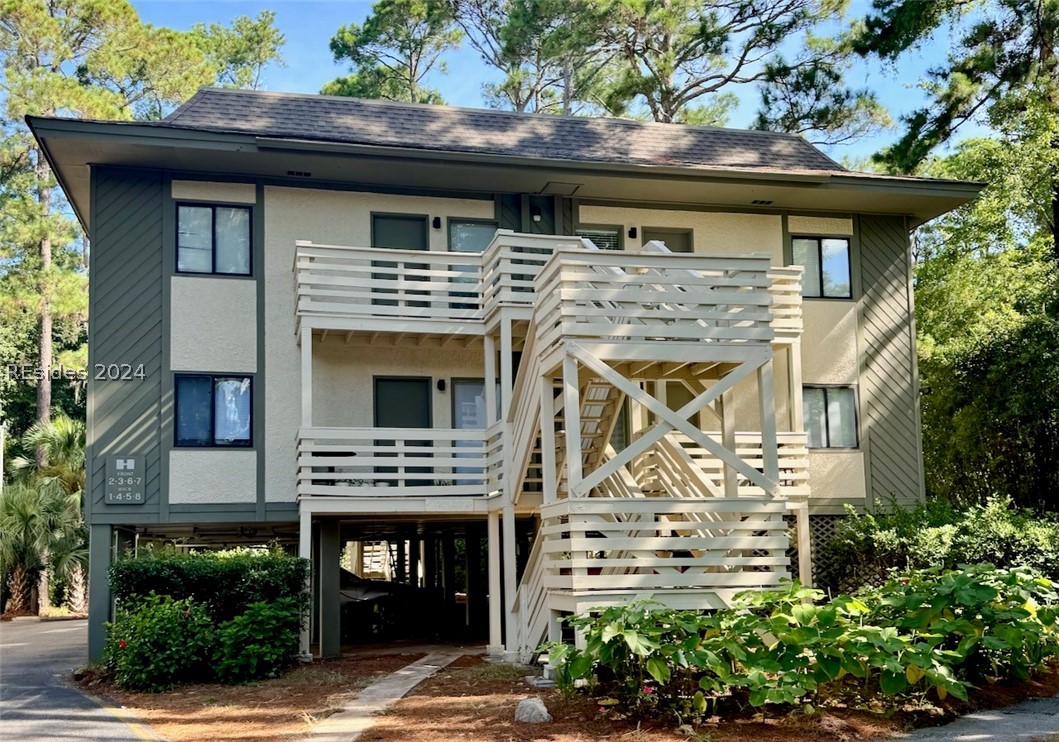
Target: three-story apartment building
<point x="614" y="359"/>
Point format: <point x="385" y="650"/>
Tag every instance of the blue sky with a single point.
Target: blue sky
<point x="310" y="24"/>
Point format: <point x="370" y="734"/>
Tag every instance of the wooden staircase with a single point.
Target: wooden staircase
<point x="681" y="516"/>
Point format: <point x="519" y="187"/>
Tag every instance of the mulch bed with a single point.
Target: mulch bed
<point x="265" y="711"/>
<point x="474" y="701"/>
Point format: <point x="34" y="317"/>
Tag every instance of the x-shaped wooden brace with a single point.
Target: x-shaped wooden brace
<point x="670" y="420"/>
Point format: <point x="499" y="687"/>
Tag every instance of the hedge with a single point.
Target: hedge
<point x="225" y="583"/>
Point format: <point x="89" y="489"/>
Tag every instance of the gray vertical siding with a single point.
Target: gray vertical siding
<point x="125" y="326"/>
<point x="889" y="392"/>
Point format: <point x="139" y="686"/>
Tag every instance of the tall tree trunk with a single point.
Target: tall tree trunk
<point x="19" y="590"/>
<point x="568" y="87"/>
<point x="44" y="586"/>
<point x="76" y="595"/>
<point x="43" y="173"/>
<point x="1055" y="220"/>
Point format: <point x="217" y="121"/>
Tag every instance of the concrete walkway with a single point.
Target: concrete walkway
<point x="359" y="714"/>
<point x="1033" y="720"/>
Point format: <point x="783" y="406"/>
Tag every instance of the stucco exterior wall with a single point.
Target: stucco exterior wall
<point x="343" y="387"/>
<point x="712" y="232"/>
<point x="829" y="342"/>
<point x="813" y="225"/>
<point x="324" y="217"/>
<point x="213" y="324"/>
<point x="835" y="477"/>
<point x="196" y="190"/>
<point x="203" y="477"/>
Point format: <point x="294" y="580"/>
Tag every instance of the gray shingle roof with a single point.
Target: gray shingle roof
<point x="448" y="129"/>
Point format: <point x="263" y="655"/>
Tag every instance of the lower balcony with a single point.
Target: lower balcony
<point x="398" y="462"/>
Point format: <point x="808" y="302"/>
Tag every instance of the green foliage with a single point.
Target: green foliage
<point x="928" y="632"/>
<point x="986" y="303"/>
<point x="676" y="58"/>
<point x="811" y="99"/>
<point x="1002" y="55"/>
<point x="226" y="584"/>
<point x="398" y="45"/>
<point x="36" y="518"/>
<point x="241" y="52"/>
<point x="157" y="642"/>
<point x="868" y="547"/>
<point x="259" y="642"/>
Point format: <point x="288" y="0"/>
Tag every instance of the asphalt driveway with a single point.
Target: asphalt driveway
<point x="37" y="699"/>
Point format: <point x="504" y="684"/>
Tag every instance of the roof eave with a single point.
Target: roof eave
<point x="43" y="127"/>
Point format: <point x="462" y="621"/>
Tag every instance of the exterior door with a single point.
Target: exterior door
<point x="677" y="240"/>
<point x="403" y="402"/>
<point x="398" y="232"/>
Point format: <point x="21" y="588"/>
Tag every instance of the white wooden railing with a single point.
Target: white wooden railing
<point x="386" y="283"/>
<point x="653" y="296"/>
<point x="531" y="603"/>
<point x="658" y="543"/>
<point x="626" y="294"/>
<point x="793" y="457"/>
<point x="395" y="462"/>
<point x="512" y="261"/>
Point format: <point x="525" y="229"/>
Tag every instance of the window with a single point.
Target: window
<point x="605" y="238"/>
<point x="830" y="416"/>
<point x="677" y="240"/>
<point x="213" y="239"/>
<point x="826" y="264"/>
<point x="399" y="231"/>
<point x="471" y="235"/>
<point x="212" y="410"/>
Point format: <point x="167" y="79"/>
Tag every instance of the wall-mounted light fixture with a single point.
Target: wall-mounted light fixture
<point x="632" y="233"/>
<point x="441" y="385"/>
<point x="436" y="222"/>
<point x="535" y="213"/>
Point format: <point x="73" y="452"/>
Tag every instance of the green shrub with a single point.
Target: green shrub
<point x="927" y="631"/>
<point x="226" y="583"/>
<point x="258" y="643"/>
<point x="157" y="642"/>
<point x="867" y="547"/>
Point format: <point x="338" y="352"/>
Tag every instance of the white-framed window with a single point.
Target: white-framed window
<point x="213" y="238"/>
<point x="604" y="237"/>
<point x="826" y="263"/>
<point x="213" y="410"/>
<point x="830" y="414"/>
<point x="471" y="235"/>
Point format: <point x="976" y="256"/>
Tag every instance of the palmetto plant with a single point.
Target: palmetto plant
<point x="35" y="519"/>
<point x="62" y="443"/>
<point x="53" y="466"/>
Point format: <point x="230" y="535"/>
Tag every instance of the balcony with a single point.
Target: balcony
<point x="649" y="294"/>
<point x="399" y="462"/>
<point x="386" y="289"/>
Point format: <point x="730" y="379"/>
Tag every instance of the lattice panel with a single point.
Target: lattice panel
<point x="822" y="529"/>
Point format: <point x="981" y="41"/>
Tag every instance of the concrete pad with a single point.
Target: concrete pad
<point x="1032" y="720"/>
<point x="358" y="715"/>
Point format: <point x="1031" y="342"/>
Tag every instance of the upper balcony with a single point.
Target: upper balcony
<point x="735" y="298"/>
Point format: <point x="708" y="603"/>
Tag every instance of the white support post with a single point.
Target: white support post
<point x="572" y="420"/>
<point x="507" y="375"/>
<point x="805" y="554"/>
<point x="795" y="411"/>
<point x="727" y="410"/>
<point x="496" y="612"/>
<point x="769" y="444"/>
<point x="305" y="551"/>
<point x="307" y="377"/>
<point x="491" y="413"/>
<point x="547" y="418"/>
<point x="510" y="579"/>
